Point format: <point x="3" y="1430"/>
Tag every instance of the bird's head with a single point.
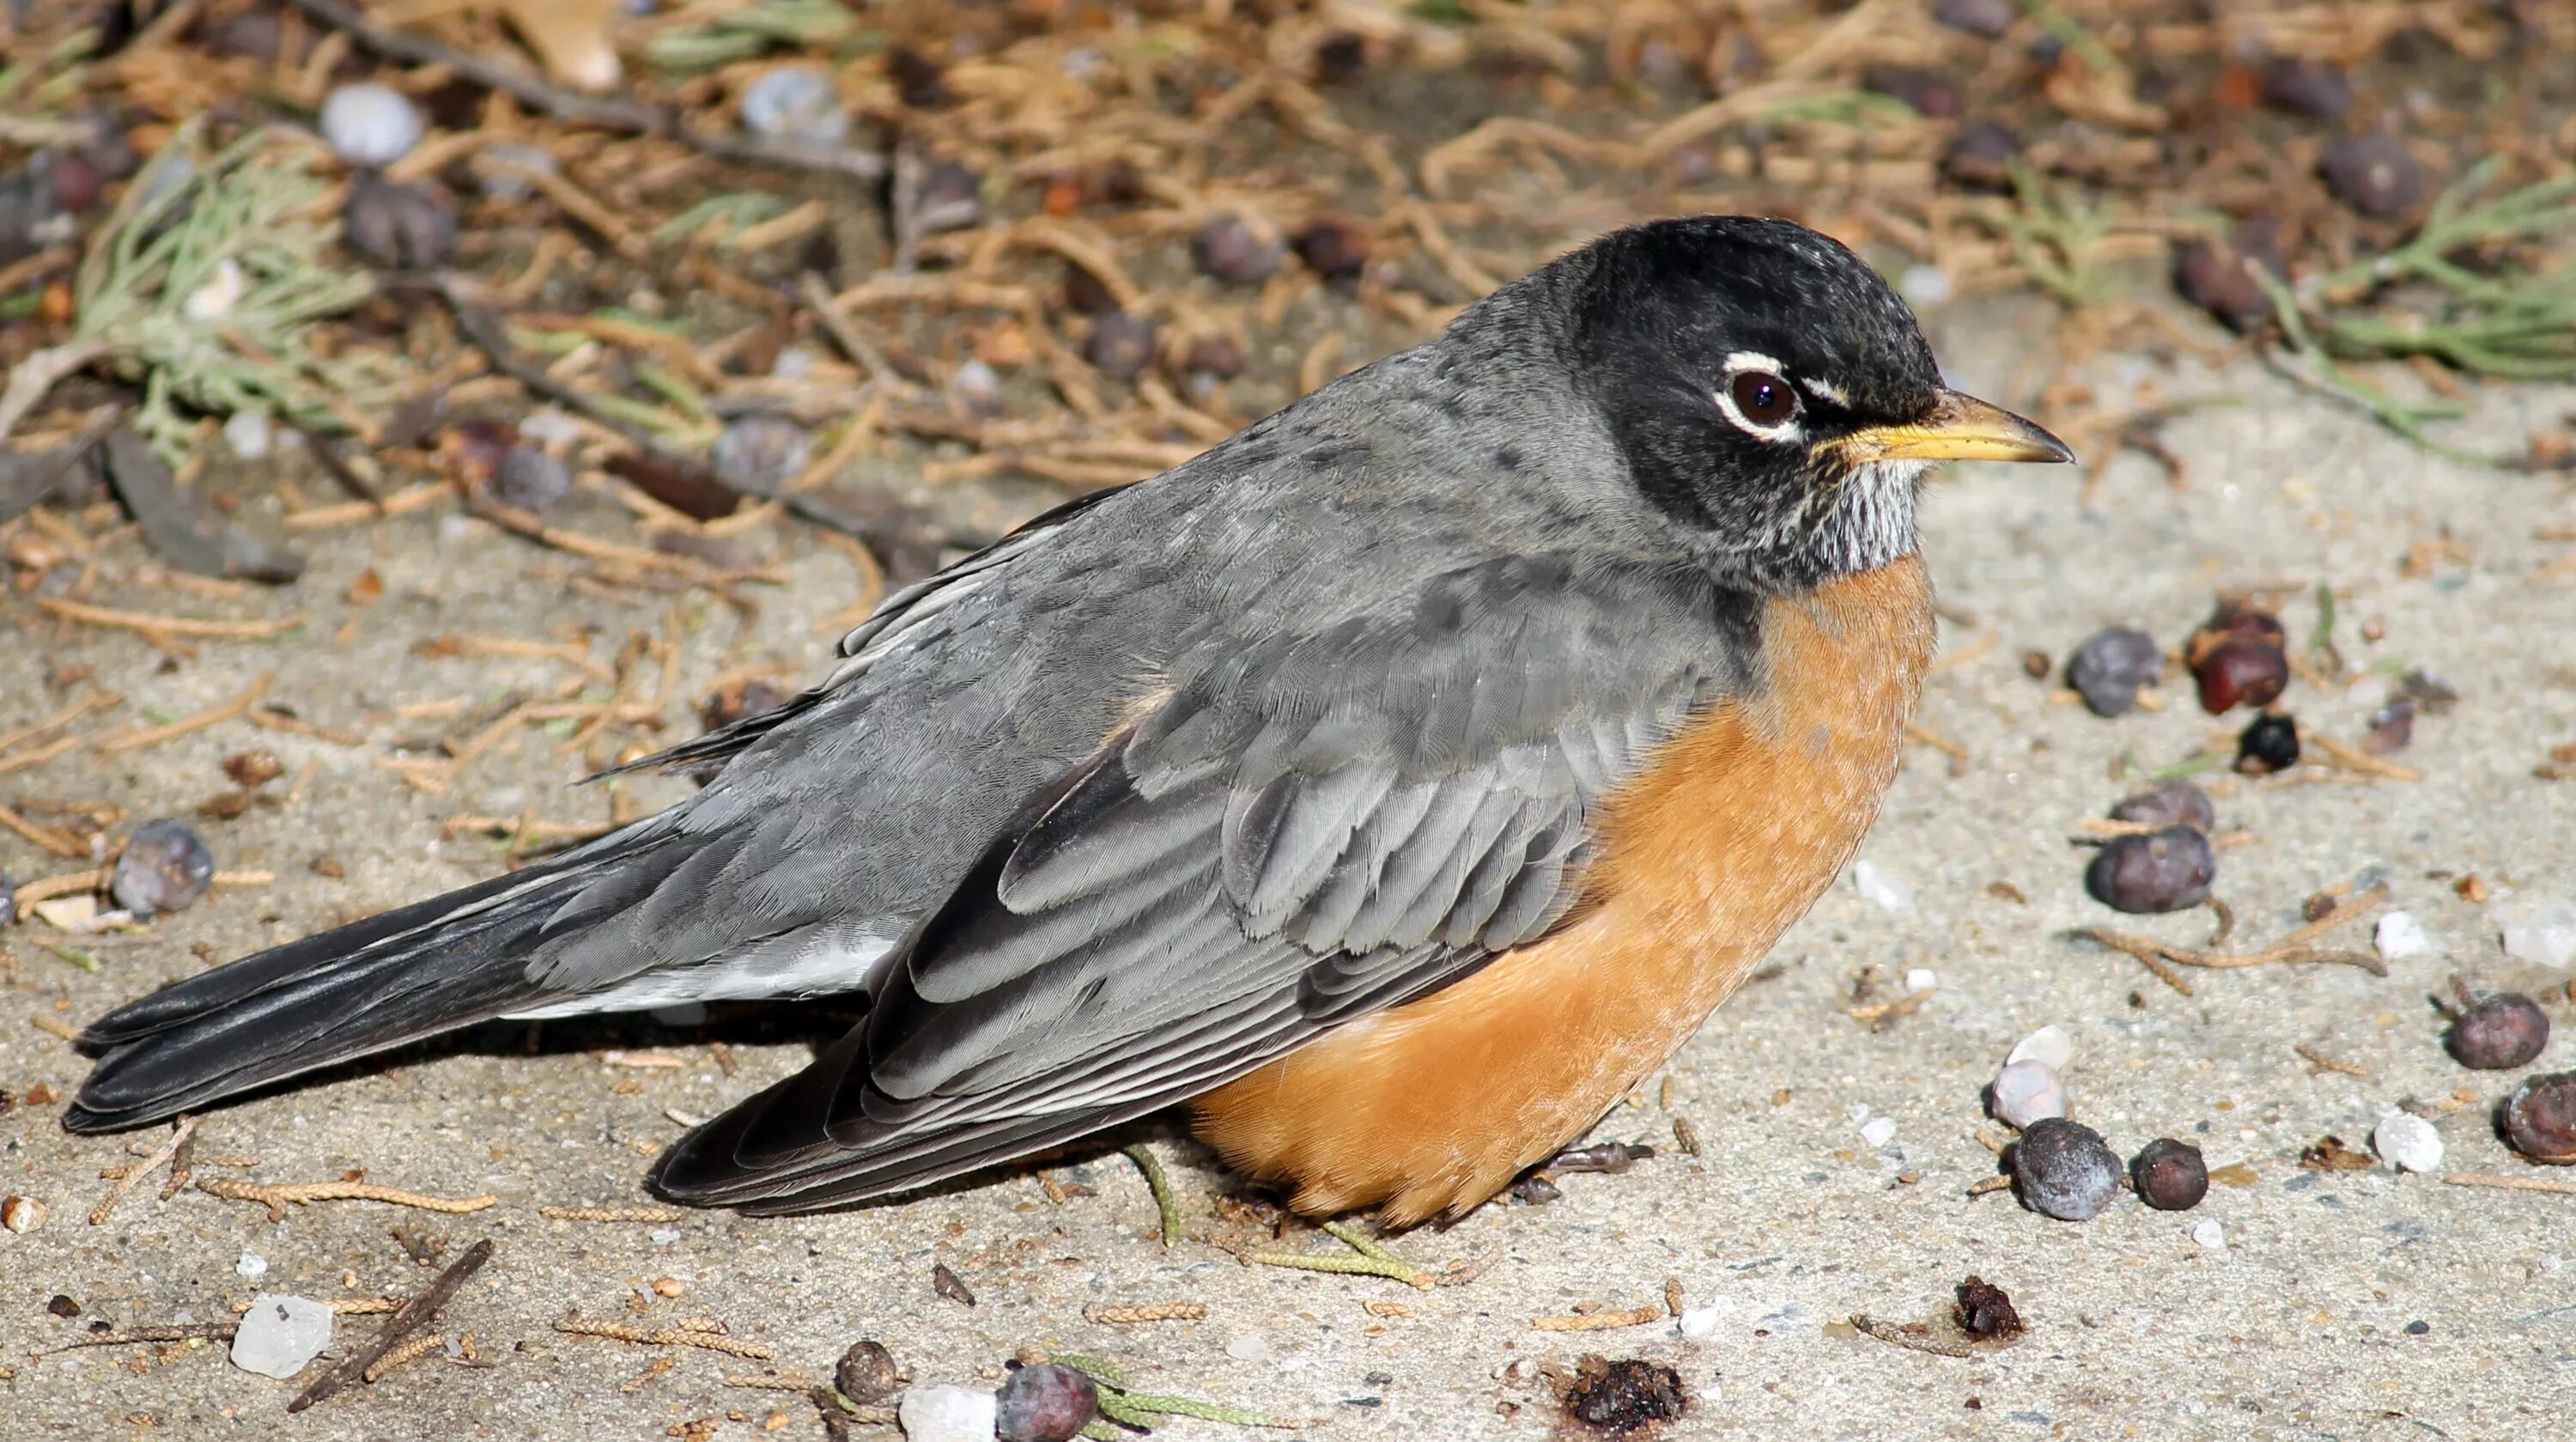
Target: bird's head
<point x="1772" y="395"/>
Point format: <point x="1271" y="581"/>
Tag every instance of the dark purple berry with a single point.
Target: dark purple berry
<point x="2233" y="621"/>
<point x="62" y="1306"/>
<point x="1087" y="294"/>
<point x="2499" y="1032"/>
<point x="2373" y="174"/>
<point x="951" y="198"/>
<point x="2241" y="672"/>
<point x="165" y="867"/>
<point x="2215" y="275"/>
<point x="1214" y="355"/>
<point x="918" y="79"/>
<point x="395" y="226"/>
<point x="2169" y="803"/>
<point x="1333" y="248"/>
<point x="2063" y="1170"/>
<point x="2540" y="1118"/>
<point x="2168" y="870"/>
<point x="1980" y="156"/>
<point x="1227" y="250"/>
<point x="866" y="1374"/>
<point x="1340" y="58"/>
<point x="2109" y="668"/>
<point x="2170" y="1175"/>
<point x="1045" y="1403"/>
<point x="1925" y="92"/>
<point x="1120" y="345"/>
<point x="530" y="479"/>
<point x="2391" y="727"/>
<point x="760" y="453"/>
<point x="2304" y="87"/>
<point x="2269" y="744"/>
<point x="1986" y="1310"/>
<point x="1985" y="19"/>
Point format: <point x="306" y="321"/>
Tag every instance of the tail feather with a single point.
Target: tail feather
<point x="410" y="973"/>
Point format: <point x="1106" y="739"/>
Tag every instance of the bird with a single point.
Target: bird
<point x="1395" y="785"/>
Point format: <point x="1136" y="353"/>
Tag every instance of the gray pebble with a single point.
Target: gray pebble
<point x="2062" y="1170"/>
<point x="165" y="867"/>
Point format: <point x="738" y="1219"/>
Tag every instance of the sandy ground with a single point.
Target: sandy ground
<point x="2340" y="1305"/>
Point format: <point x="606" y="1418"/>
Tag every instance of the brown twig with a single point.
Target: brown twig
<point x="667" y="1337"/>
<point x="180" y="1133"/>
<point x="606" y="1214"/>
<point x="409" y="1318"/>
<point x="1601" y="1321"/>
<point x="2161" y="957"/>
<point x="1133" y="1315"/>
<point x="278" y="1197"/>
<point x="2318" y="1061"/>
<point x="179" y="1332"/>
<point x="151" y="625"/>
<point x="2509" y="1183"/>
<point x="170" y="730"/>
<point x="417" y="1347"/>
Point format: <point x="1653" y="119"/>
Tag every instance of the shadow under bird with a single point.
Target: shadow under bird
<point x="1397" y="783"/>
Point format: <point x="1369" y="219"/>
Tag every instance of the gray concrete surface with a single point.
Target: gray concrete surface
<point x="2298" y="1327"/>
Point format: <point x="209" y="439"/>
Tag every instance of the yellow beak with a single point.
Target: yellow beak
<point x="1960" y="428"/>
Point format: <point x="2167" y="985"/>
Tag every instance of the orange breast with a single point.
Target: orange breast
<point x="1725" y="838"/>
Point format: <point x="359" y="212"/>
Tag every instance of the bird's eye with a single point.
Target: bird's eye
<point x="1762" y="398"/>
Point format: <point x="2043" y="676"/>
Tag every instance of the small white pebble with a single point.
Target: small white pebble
<point x="2209" y="1234"/>
<point x="280" y="1334"/>
<point x="794" y="363"/>
<point x="2026" y="1091"/>
<point x="947" y="1414"/>
<point x="1699" y="1324"/>
<point x="2544" y="935"/>
<point x="251" y="1264"/>
<point x="2400" y="936"/>
<point x="1250" y="1347"/>
<point x="221" y="292"/>
<point x="664" y="1236"/>
<point x="549" y="427"/>
<point x="1878" y="1131"/>
<point x="795" y="103"/>
<point x="1880" y="889"/>
<point x="370" y="124"/>
<point x="1921" y="979"/>
<point x="1925" y="284"/>
<point x="2049" y="1045"/>
<point x="497" y="168"/>
<point x="2407" y="1142"/>
<point x="249" y="434"/>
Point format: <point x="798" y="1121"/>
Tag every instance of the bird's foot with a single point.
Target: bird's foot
<point x="1537" y="1186"/>
<point x="1374" y="1260"/>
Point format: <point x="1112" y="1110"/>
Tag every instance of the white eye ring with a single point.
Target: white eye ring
<point x="1784" y="431"/>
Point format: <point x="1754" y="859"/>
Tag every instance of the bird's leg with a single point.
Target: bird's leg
<point x="1537" y="1186"/>
<point x="1161" y="1186"/>
<point x="1612" y="1157"/>
<point x="1374" y="1260"/>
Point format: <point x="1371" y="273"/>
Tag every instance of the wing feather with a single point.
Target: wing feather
<point x="1305" y="828"/>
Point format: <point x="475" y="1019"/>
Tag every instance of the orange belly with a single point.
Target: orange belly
<point x="1723" y="840"/>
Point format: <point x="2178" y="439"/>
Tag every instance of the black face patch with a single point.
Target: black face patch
<point x="1668" y="316"/>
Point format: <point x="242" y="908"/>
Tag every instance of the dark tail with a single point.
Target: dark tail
<point x="431" y="967"/>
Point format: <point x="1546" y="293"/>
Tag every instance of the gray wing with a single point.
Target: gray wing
<point x="1304" y="828"/>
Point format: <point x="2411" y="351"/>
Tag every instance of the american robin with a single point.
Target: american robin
<point x="1398" y="783"/>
